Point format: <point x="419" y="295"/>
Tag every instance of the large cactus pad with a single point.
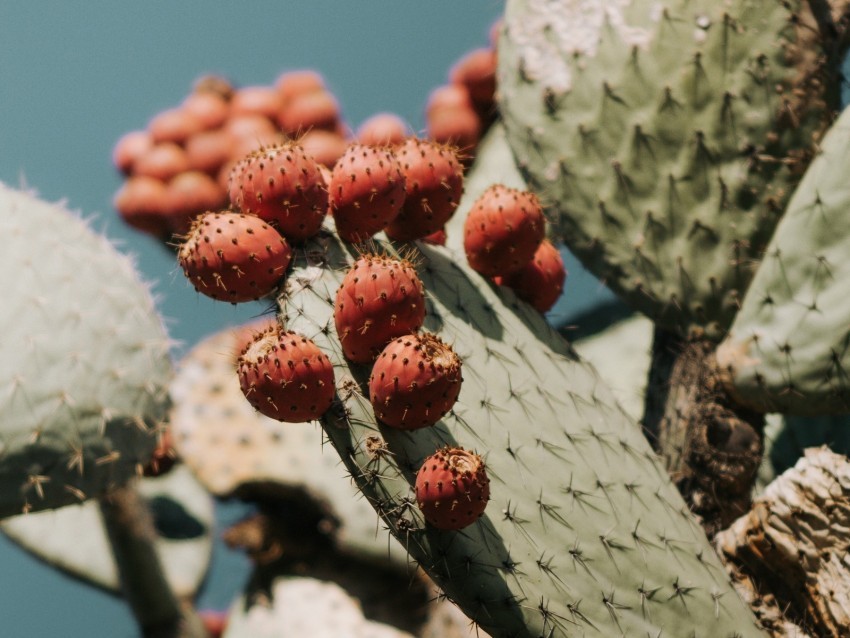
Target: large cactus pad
<point x="84" y="360"/>
<point x="666" y="137"/>
<point x="584" y="534"/>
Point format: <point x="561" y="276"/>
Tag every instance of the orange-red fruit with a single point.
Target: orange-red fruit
<point x="452" y="488"/>
<point x="233" y="257"/>
<point x="174" y="125"/>
<point x="129" y="148"/>
<point x="459" y="127"/>
<point x="309" y="111"/>
<point x="541" y="281"/>
<point x="380" y="298"/>
<point x="284" y="185"/>
<point x="256" y="100"/>
<point x="294" y="83"/>
<point x="433" y="185"/>
<point x="164" y="456"/>
<point x="366" y="191"/>
<point x="286" y="377"/>
<point x="163" y="161"/>
<point x="188" y="195"/>
<point x="325" y="147"/>
<point x="415" y="381"/>
<point x="383" y="129"/>
<point x="477" y="72"/>
<point x="209" y="108"/>
<point x="437" y="238"/>
<point x="503" y="230"/>
<point x="141" y="202"/>
<point x="208" y="151"/>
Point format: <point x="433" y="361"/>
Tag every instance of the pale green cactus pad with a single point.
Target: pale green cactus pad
<point x="621" y="354"/>
<point x="305" y="607"/>
<point x="228" y="444"/>
<point x="84" y="362"/>
<point x="666" y="137"/>
<point x="74" y="540"/>
<point x="584" y="533"/>
<point x="787" y="350"/>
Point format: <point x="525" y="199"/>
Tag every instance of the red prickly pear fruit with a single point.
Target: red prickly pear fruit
<point x="451" y="97"/>
<point x="215" y="84"/>
<point x="163" y="161"/>
<point x="291" y="84"/>
<point x="452" y="488"/>
<point x="380" y="298"/>
<point x="323" y="146"/>
<point x="503" y="230"/>
<point x="256" y="100"/>
<point x="283" y="185"/>
<point x="174" y="125"/>
<point x="415" y="381"/>
<point x="208" y="151"/>
<point x="383" y="129"/>
<point x="164" y="456"/>
<point x="308" y="112"/>
<point x="214" y="621"/>
<point x="460" y="128"/>
<point x="437" y="238"/>
<point x="366" y="191"/>
<point x="188" y="195"/>
<point x="130" y="147"/>
<point x="433" y="178"/>
<point x="233" y="257"/>
<point x="477" y="72"/>
<point x="541" y="281"/>
<point x="248" y="128"/>
<point x="142" y="203"/>
<point x="244" y="335"/>
<point x="286" y="377"/>
<point x="209" y="108"/>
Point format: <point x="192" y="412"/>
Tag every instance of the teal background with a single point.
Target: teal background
<point x="74" y="76"/>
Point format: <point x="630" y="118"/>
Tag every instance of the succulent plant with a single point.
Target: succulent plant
<point x="84" y="362"/>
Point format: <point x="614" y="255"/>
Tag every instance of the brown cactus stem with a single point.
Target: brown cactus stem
<point x="129" y="526"/>
<point x="711" y="447"/>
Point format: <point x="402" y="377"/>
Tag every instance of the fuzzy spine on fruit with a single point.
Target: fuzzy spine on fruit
<point x="415" y="381"/>
<point x="452" y="488"/>
<point x="286" y="377"/>
<point x="233" y="257"/>
<point x="380" y="298"/>
<point x="503" y="230"/>
<point x="433" y="182"/>
<point x="283" y="185"/>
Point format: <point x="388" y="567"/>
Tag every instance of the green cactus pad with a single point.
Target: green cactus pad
<point x="84" y="363"/>
<point x="666" y="138"/>
<point x="787" y="349"/>
<point x="304" y="607"/>
<point x="228" y="444"/>
<point x="74" y="540"/>
<point x="584" y="533"/>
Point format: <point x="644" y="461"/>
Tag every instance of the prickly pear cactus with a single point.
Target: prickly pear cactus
<point x="667" y="136"/>
<point x="584" y="532"/>
<point x="84" y="360"/>
<point x="74" y="540"/>
<point x="787" y="349"/>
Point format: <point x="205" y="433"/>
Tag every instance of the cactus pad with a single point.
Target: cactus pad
<point x="84" y="363"/>
<point x="666" y="137"/>
<point x="584" y="531"/>
<point x="787" y="349"/>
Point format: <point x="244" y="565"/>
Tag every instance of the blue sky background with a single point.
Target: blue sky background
<point x="74" y="76"/>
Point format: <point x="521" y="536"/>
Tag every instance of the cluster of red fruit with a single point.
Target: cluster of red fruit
<point x="179" y="165"/>
<point x="504" y="238"/>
